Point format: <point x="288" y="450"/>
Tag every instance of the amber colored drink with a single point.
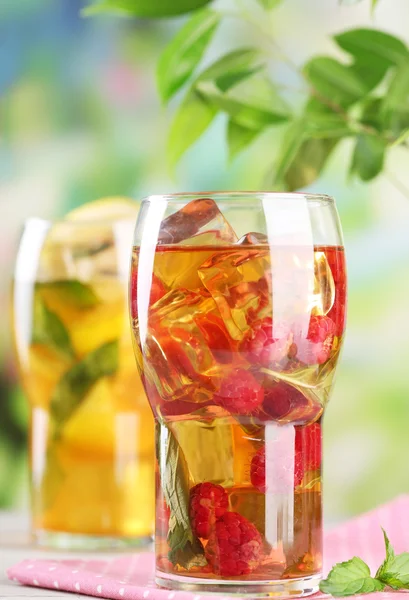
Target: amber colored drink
<point x="238" y="346"/>
<point x="91" y="431"/>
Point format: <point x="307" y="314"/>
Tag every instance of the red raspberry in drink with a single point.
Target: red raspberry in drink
<point x="240" y="393"/>
<point x="316" y="347"/>
<point x="281" y="399"/>
<point x="308" y="442"/>
<point x="261" y="348"/>
<point x="281" y="479"/>
<point x="234" y="547"/>
<point x="208" y="502"/>
<point x="283" y="402"/>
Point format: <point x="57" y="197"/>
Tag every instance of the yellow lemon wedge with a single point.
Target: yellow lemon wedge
<point x="105" y="209"/>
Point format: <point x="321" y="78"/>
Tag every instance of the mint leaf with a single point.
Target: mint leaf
<point x="49" y="330"/>
<point x="397" y="574"/>
<point x="76" y="383"/>
<point x="368" y="157"/>
<point x="71" y="292"/>
<point x="390" y="555"/>
<point x="185" y="51"/>
<point x="349" y="578"/>
<point x="144" y="8"/>
<point x="394" y="571"/>
<point x="185" y="549"/>
<point x="193" y="117"/>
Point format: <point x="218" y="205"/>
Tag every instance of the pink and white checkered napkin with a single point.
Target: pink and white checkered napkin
<point x="132" y="577"/>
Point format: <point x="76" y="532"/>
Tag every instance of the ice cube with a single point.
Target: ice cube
<point x="177" y="355"/>
<point x="251" y="504"/>
<point x="253" y="238"/>
<point x="324" y="285"/>
<point x="236" y="280"/>
<point x="201" y="216"/>
<point x="208" y="448"/>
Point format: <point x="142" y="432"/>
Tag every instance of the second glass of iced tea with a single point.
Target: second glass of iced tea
<point x="238" y="312"/>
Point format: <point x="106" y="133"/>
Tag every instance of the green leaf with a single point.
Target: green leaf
<point x="371" y="113"/>
<point x="327" y="126"/>
<point x="374" y="4"/>
<point x="185" y="51"/>
<point x="370" y="77"/>
<point x="390" y="555"/>
<point x="233" y="68"/>
<point x="144" y="8"/>
<point x="292" y="141"/>
<point x="193" y="117"/>
<point x="368" y="157"/>
<point x="397" y="574"/>
<point x="48" y="329"/>
<point x="239" y="137"/>
<point x="308" y="163"/>
<point x="373" y="48"/>
<point x="394" y="571"/>
<point x="184" y="548"/>
<point x="77" y="382"/>
<point x="334" y="82"/>
<point x="401" y="138"/>
<point x="252" y="103"/>
<point x="308" y="144"/>
<point x="349" y="578"/>
<point x="72" y="292"/>
<point x="395" y="107"/>
<point x="269" y="4"/>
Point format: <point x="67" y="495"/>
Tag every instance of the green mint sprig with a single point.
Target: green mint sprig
<point x="354" y="576"/>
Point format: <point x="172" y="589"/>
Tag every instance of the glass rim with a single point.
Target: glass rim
<point x="50" y="222"/>
<point x="178" y="197"/>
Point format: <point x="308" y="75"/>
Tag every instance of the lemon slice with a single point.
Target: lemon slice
<point x="82" y="244"/>
<point x="105" y="209"/>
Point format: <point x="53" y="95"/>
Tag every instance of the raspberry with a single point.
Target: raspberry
<point x="175" y="408"/>
<point x="157" y="291"/>
<point x="208" y="502"/>
<point x="264" y="349"/>
<point x="234" y="546"/>
<point x="240" y="393"/>
<point x="283" y="402"/>
<point x="281" y="481"/>
<point x="282" y="399"/>
<point x="316" y="347"/>
<point x="308" y="441"/>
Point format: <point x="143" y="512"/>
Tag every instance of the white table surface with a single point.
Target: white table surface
<point x="15" y="546"/>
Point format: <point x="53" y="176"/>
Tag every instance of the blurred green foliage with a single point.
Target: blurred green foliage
<point x="81" y="119"/>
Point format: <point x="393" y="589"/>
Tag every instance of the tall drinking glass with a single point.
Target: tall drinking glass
<point x="238" y="312"/>
<point x="91" y="436"/>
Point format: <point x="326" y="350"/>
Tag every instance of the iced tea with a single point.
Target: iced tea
<point x="237" y="342"/>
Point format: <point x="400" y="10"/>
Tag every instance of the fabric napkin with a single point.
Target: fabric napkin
<point x="131" y="577"/>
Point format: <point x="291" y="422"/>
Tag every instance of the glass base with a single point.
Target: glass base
<point x="284" y="588"/>
<point x="77" y="541"/>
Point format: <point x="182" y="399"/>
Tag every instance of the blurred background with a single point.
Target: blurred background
<point x="80" y="119"/>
